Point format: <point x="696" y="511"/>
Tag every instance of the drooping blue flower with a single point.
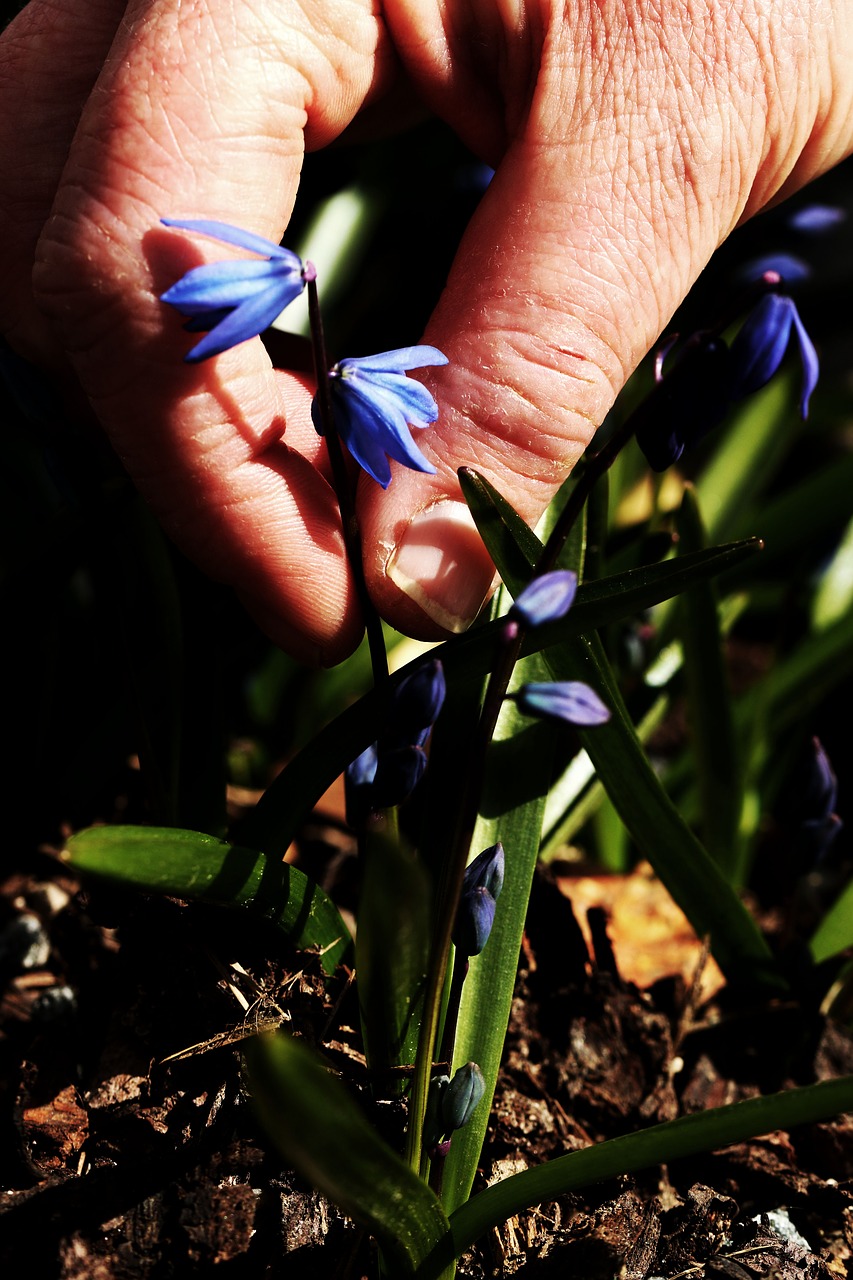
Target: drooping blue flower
<point x="481" y="889"/>
<point x="375" y="404"/>
<point x="233" y="301"/>
<point x="569" y="700"/>
<point x="761" y="345"/>
<point x="546" y="598"/>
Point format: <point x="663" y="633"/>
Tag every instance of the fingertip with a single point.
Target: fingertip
<point x="436" y="574"/>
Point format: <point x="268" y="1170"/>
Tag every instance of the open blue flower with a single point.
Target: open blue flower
<point x="375" y="404"/>
<point x="233" y="301"/>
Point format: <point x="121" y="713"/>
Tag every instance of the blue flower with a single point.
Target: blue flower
<point x="760" y="347"/>
<point x="375" y="404"/>
<point x="233" y="301"/>
<point x="569" y="700"/>
<point x="546" y="598"/>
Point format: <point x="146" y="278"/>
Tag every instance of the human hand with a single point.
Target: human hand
<point x="629" y="140"/>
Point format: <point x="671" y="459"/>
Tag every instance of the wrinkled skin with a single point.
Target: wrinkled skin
<point x="629" y="137"/>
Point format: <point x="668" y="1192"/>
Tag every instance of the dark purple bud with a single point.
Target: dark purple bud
<point x="687" y="402"/>
<point x="760" y="347"/>
<point x="546" y="598"/>
<point x="486" y="871"/>
<point x="417" y="700"/>
<point x="820" y="789"/>
<point x="569" y="700"/>
<point x="461" y="1096"/>
<point x="397" y="774"/>
<point x="474" y="919"/>
<point x="358" y="786"/>
<point x="814" y="219"/>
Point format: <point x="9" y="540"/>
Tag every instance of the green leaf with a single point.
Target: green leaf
<point x="661" y="1144"/>
<point x="710" y="716"/>
<point x="320" y="1130"/>
<point x="297" y="789"/>
<point x="834" y="934"/>
<point x="392" y="946"/>
<point x="681" y="862"/>
<point x="190" y="864"/>
<point x="518" y="773"/>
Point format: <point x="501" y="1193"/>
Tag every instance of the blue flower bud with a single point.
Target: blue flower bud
<point x="358" y="786"/>
<point x="398" y="772"/>
<point x="569" y="700"/>
<point x="687" y="402"/>
<point x="814" y="219"/>
<point x="416" y="703"/>
<point x="546" y="598"/>
<point x="474" y="919"/>
<point x="760" y="347"/>
<point x="486" y="871"/>
<point x="459" y="1099"/>
<point x="819" y="824"/>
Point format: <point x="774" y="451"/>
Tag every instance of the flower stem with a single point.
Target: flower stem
<point x="342" y="485"/>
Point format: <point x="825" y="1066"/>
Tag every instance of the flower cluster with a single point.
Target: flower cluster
<point x="374" y="402"/>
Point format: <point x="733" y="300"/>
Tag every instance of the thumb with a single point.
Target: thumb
<point x="604" y="210"/>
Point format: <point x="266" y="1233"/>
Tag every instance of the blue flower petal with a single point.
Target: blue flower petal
<point x="244" y="322"/>
<point x="235" y="235"/>
<point x="546" y="598"/>
<point x="222" y="284"/>
<point x="397" y="361"/>
<point x="760" y="346"/>
<point x="569" y="700"/>
<point x="810" y="363"/>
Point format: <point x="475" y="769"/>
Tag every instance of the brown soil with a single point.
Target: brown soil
<point x="130" y="1149"/>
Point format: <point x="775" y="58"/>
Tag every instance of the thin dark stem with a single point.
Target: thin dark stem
<point x="341" y="481"/>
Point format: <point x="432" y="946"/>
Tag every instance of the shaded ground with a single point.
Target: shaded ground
<point x="130" y="1150"/>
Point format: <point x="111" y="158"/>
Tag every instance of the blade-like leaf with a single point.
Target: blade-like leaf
<point x="189" y="864"/>
<point x="661" y="1144"/>
<point x="681" y="862"/>
<point x="835" y="931"/>
<point x="320" y="1130"/>
<point x="391" y="953"/>
<point x="709" y="706"/>
<point x="291" y="796"/>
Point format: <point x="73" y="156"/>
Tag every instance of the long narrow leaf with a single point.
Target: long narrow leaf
<point x="319" y="1128"/>
<point x="683" y="865"/>
<point x="293" y="794"/>
<point x="661" y="1144"/>
<point x="189" y="864"/>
